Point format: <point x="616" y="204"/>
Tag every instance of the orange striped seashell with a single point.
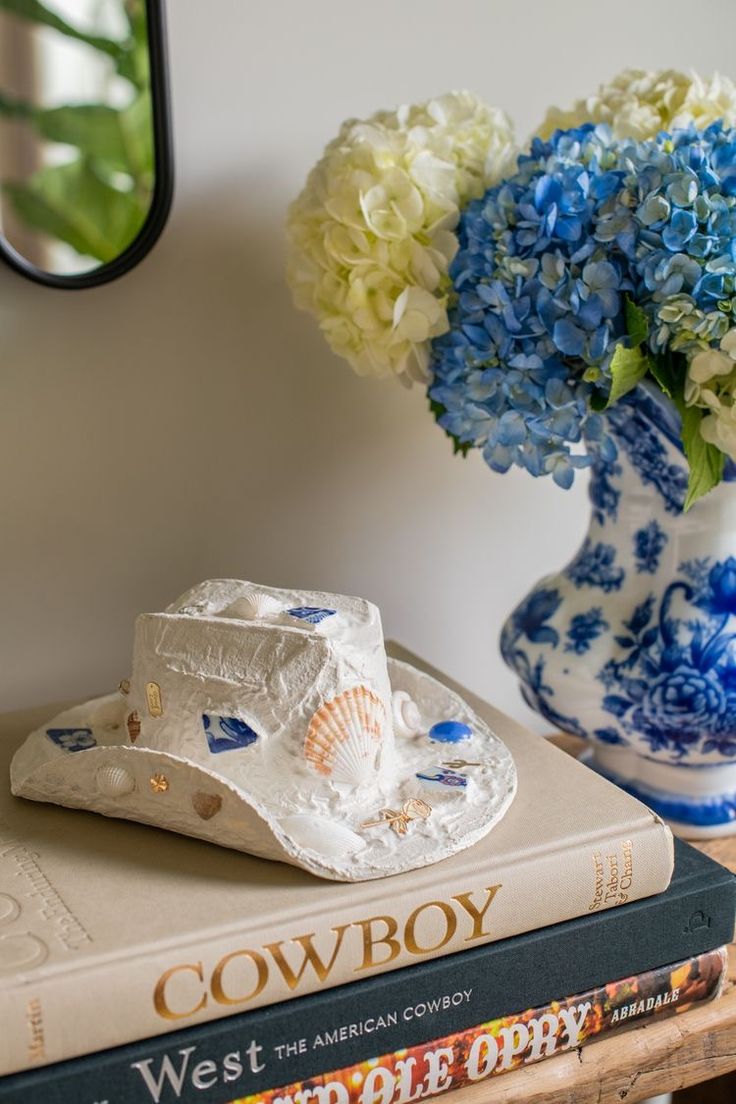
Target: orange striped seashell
<point x="345" y="735"/>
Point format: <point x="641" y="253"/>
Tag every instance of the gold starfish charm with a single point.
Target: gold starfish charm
<point x="399" y="821"/>
<point x="159" y="783"/>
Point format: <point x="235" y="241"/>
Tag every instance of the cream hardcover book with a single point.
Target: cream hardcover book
<point x="112" y="931"/>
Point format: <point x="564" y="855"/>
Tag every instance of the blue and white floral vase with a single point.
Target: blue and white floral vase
<point x="633" y="645"/>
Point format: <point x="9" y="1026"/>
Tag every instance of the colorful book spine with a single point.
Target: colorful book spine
<point x="479" y="1053"/>
<point x="259" y="1050"/>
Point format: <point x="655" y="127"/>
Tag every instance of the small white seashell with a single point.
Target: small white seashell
<point x="345" y="735"/>
<point x="326" y="837"/>
<point x="407" y="718"/>
<point x="115" y="781"/>
<point x="253" y="606"/>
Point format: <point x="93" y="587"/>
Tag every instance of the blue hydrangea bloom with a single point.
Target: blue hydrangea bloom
<point x="546" y="261"/>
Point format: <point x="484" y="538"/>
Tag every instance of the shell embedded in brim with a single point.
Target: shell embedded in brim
<point x="115" y="781"/>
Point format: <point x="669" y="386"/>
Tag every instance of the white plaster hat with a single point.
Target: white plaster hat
<point x="272" y="722"/>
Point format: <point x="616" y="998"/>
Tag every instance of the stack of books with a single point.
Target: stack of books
<point x="137" y="965"/>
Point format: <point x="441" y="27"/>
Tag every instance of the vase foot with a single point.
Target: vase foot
<point x="697" y="802"/>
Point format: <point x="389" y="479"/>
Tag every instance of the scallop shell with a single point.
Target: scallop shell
<point x="345" y="734"/>
<point x="326" y="837"/>
<point x="115" y="781"/>
<point x="254" y="606"/>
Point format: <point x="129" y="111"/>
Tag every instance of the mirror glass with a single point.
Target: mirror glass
<point x="79" y="148"/>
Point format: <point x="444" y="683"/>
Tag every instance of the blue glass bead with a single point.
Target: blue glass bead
<point x="450" y="732"/>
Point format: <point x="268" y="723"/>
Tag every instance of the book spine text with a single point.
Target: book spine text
<point x="195" y="1070"/>
<point x="121" y="1000"/>
<point x="508" y="1043"/>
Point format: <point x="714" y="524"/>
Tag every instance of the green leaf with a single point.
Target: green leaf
<point x="136" y="125"/>
<point x="134" y="64"/>
<point x="637" y="324"/>
<point x="664" y="370"/>
<point x="36" y="12"/>
<point x="93" y="128"/>
<point x="12" y="108"/>
<point x="629" y="364"/>
<point x="72" y="204"/>
<point x="705" y="460"/>
<point x="119" y="140"/>
<point x="628" y="367"/>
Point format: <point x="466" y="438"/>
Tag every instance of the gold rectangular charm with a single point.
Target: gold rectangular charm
<point x="153" y="699"/>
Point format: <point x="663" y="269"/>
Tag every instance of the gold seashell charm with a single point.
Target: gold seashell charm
<point x="124" y="686"/>
<point x="206" y="805"/>
<point x="153" y="699"/>
<point x="133" y="724"/>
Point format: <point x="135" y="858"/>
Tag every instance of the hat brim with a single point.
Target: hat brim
<point x="377" y="836"/>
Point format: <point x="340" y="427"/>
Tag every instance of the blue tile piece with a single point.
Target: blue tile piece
<point x="72" y="739"/>
<point x="227" y="733"/>
<point x="440" y="776"/>
<point x="312" y="614"/>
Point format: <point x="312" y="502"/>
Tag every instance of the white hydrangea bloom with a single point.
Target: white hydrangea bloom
<point x="370" y="238"/>
<point x="638" y="104"/>
<point x="719" y="429"/>
<point x="711" y="385"/>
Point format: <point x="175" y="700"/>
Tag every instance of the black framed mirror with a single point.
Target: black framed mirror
<point x="86" y="174"/>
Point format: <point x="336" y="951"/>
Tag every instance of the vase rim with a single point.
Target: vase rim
<point x="662" y="411"/>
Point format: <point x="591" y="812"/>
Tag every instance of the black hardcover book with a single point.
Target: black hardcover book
<point x="218" y="1062"/>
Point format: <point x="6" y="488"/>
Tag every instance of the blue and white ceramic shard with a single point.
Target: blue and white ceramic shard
<point x="633" y="644"/>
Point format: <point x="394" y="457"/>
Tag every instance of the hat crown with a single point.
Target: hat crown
<point x="274" y="689"/>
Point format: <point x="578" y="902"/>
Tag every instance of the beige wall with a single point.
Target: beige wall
<point x="186" y="422"/>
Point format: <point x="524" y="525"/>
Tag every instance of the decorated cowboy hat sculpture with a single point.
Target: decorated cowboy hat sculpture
<point x="271" y="721"/>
